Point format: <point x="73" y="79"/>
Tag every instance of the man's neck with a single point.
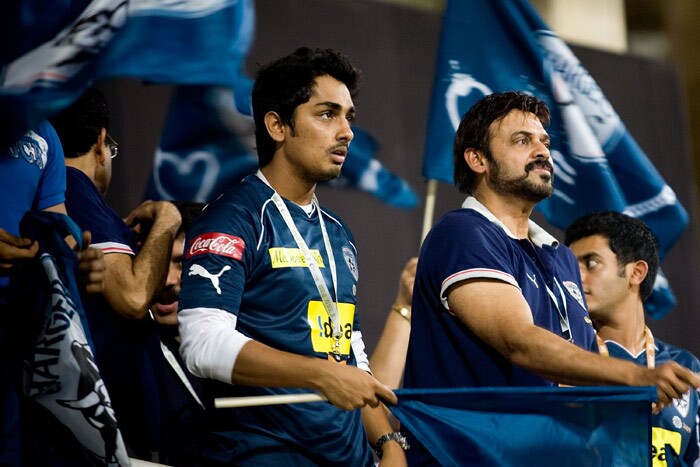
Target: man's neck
<point x="513" y="212"/>
<point x="288" y="184"/>
<point x="626" y="327"/>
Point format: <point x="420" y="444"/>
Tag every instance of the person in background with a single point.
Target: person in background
<point x="119" y="330"/>
<point x="182" y="394"/>
<point x="619" y="258"/>
<point x="32" y="177"/>
<point x="268" y="296"/>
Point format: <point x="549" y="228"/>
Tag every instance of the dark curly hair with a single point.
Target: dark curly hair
<point x="78" y="126"/>
<point x="473" y="131"/>
<point x="629" y="238"/>
<point x="288" y="82"/>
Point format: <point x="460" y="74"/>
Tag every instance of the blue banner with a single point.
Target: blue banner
<point x="189" y="41"/>
<point x="497" y="45"/>
<point x="60" y="370"/>
<point x="591" y="426"/>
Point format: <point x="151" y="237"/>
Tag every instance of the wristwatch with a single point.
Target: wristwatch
<point x="393" y="436"/>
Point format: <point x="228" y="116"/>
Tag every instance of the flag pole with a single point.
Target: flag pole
<point x="253" y="401"/>
<point x="429" y="212"/>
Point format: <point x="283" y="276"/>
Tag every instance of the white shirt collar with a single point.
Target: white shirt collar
<point x="537" y="234"/>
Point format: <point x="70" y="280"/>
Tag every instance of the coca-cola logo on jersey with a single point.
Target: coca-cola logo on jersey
<point x="218" y="244"/>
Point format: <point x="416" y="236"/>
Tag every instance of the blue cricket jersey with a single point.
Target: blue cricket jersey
<point x="241" y="258"/>
<point x="676" y="426"/>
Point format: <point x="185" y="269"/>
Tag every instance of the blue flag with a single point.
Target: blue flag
<point x="592" y="426"/>
<point x="60" y="371"/>
<point x="51" y="57"/>
<point x="497" y="45"/>
<point x="80" y="41"/>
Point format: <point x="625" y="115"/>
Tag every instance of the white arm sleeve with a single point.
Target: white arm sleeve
<point x="358" y="348"/>
<point x="210" y="342"/>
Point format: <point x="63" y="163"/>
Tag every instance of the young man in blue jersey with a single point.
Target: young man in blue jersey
<point x="267" y="304"/>
<point x="618" y="257"/>
<point x="497" y="301"/>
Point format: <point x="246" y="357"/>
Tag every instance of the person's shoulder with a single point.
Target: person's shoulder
<point x="679" y="354"/>
<point x="467" y="223"/>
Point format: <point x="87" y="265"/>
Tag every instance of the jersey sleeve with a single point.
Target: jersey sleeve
<point x="52" y="185"/>
<point x="465" y="245"/>
<point x="88" y="209"/>
<point x="219" y="250"/>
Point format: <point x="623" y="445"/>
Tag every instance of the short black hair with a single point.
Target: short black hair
<point x="79" y="125"/>
<point x="473" y="131"/>
<point x="629" y="238"/>
<point x="189" y="211"/>
<point x="288" y="82"/>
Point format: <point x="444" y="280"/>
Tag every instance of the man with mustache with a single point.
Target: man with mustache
<point x="267" y="304"/>
<point x="497" y="300"/>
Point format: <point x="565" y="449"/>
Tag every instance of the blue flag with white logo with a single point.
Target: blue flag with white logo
<point x="497" y="45"/>
<point x="51" y="55"/>
<point x="60" y="54"/>
<point x="592" y="426"/>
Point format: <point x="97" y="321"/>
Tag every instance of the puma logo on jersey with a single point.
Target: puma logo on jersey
<point x="197" y="270"/>
<point x="533" y="278"/>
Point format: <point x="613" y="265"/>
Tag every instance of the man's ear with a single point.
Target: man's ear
<point x="99" y="147"/>
<point x="475" y="160"/>
<point x="639" y="271"/>
<point x="275" y="126"/>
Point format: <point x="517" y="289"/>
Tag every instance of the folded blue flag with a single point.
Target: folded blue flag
<point x="591" y="426"/>
<point x="498" y="45"/>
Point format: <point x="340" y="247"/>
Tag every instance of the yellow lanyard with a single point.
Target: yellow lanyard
<point x="648" y="341"/>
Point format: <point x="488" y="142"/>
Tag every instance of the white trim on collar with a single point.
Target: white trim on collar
<point x="537" y="234"/>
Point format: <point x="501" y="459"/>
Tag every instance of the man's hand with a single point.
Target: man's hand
<point x="349" y="387"/>
<point x="13" y="249"/>
<point x="671" y="380"/>
<point x="408" y="277"/>
<point x="144" y="216"/>
<point x="91" y="266"/>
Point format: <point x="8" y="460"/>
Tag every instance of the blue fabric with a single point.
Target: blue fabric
<point x="681" y="417"/>
<point x="499" y="45"/>
<point x="242" y="239"/>
<point x="592" y="426"/>
<point x="442" y="351"/>
<point x="178" y="42"/>
<point x="61" y="374"/>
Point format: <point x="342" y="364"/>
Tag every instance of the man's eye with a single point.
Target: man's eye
<point x="591" y="263"/>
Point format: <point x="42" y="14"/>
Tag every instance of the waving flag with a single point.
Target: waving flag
<point x="498" y="45"/>
<point x="172" y="41"/>
<point x="41" y="75"/>
<point x="593" y="426"/>
<point x="60" y="370"/>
